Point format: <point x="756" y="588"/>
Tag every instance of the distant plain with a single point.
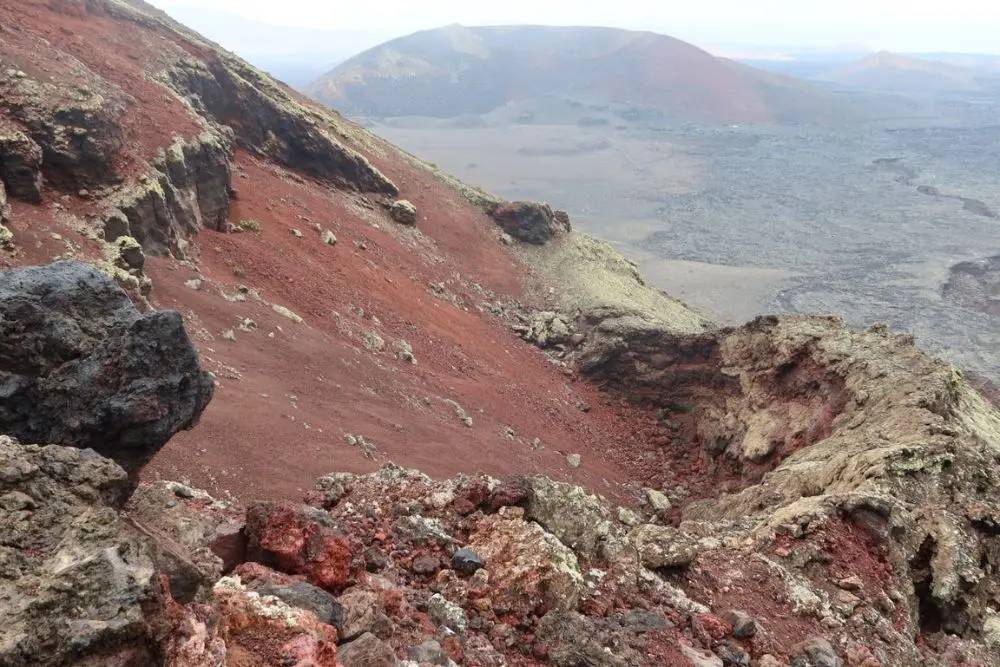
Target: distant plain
<point x="864" y="221"/>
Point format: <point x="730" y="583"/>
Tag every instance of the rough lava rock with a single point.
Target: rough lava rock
<point x="80" y="366"/>
<point x="74" y="582"/>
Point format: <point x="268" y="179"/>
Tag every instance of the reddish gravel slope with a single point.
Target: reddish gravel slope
<point x="288" y="393"/>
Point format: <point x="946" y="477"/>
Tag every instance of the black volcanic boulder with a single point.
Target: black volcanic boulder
<point x="80" y="366"/>
<point x="531" y="221"/>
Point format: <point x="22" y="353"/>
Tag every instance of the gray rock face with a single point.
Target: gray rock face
<point x="80" y="366"/>
<point x="574" y="639"/>
<point x="531" y="222"/>
<point x="73" y="582"/>
<point x="274" y="122"/>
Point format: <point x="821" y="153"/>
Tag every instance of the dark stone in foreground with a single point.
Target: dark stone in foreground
<point x="80" y="366"/>
<point x="467" y="561"/>
<point x="312" y="598"/>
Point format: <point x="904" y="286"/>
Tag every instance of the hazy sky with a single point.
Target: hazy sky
<point x="898" y="25"/>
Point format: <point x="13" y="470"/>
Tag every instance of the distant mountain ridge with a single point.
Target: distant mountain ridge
<point x="458" y="70"/>
<point x="886" y="71"/>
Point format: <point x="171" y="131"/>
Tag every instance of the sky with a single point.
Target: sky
<point x="895" y="25"/>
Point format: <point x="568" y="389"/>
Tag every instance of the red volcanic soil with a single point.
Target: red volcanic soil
<point x="283" y="422"/>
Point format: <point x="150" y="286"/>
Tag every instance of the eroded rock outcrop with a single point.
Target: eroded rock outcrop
<point x="274" y="123"/>
<point x="831" y="431"/>
<point x="187" y="189"/>
<point x="80" y="366"/>
<point x="531" y="222"/>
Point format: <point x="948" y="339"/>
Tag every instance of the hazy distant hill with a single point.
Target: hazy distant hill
<point x="885" y="71"/>
<point x="294" y="55"/>
<point x="456" y="70"/>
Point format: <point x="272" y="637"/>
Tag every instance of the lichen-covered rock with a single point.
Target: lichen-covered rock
<point x="187" y="190"/>
<point x="73" y="580"/>
<point x="579" y="519"/>
<point x="21" y="165"/>
<point x="531" y="222"/>
<point x="403" y="212"/>
<point x="547" y="329"/>
<point x="80" y="366"/>
<point x="663" y="547"/>
<point x="446" y="614"/>
<point x="529" y="569"/>
<point x="4" y="206"/>
<point x="303" y="595"/>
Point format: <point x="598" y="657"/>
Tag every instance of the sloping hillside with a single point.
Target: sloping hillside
<point x="457" y="70"/>
<point x="885" y="71"/>
<point x="121" y="127"/>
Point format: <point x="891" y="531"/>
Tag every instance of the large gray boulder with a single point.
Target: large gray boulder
<point x="80" y="366"/>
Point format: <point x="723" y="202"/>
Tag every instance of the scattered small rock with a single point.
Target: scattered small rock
<point x="700" y="658"/>
<point x="403" y="212"/>
<point x="659" y="502"/>
<point x="329" y="238"/>
<point x="852" y="583"/>
<point x="466" y="561"/>
<point x="296" y="233"/>
<point x="229" y="335"/>
<point x="406" y="352"/>
<point x="574" y="460"/>
<point x="425" y="564"/>
<point x="743" y="623"/>
<point x="640" y="620"/>
<point x="460" y="412"/>
<point x="375" y="560"/>
<point x="366" y="651"/>
<point x="372" y="341"/>
<point x="430" y="652"/>
<point x="731" y="654"/>
<point x="815" y="652"/>
<point x="248" y="325"/>
<point x="194" y="283"/>
<point x="284" y="312"/>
